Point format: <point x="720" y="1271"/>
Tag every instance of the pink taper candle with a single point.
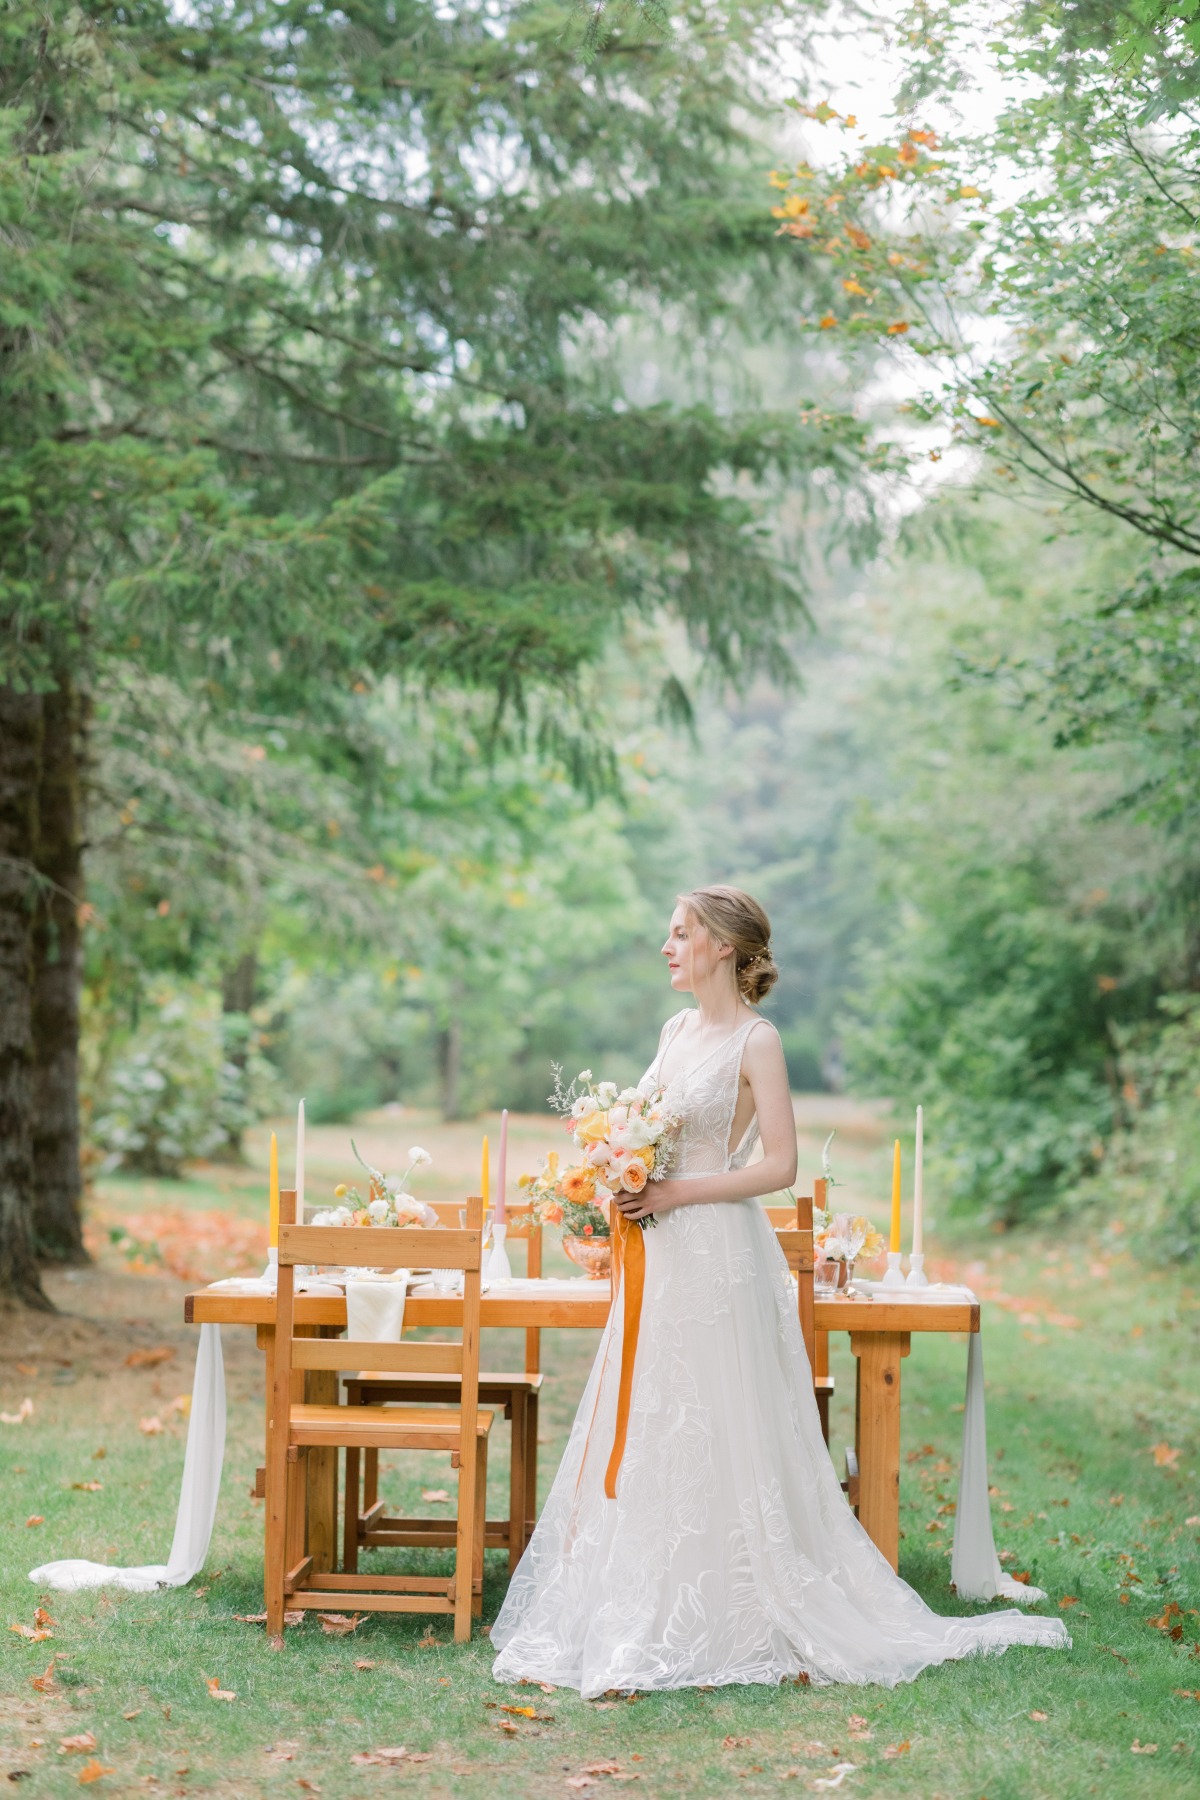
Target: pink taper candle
<point x="502" y="1170"/>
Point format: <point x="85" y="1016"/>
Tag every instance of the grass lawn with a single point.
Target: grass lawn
<point x="1092" y="1415"/>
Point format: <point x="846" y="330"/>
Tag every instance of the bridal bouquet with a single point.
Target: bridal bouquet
<point x="627" y="1137"/>
<point x="387" y="1201"/>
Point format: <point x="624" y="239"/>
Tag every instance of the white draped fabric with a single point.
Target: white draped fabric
<point x="729" y="1553"/>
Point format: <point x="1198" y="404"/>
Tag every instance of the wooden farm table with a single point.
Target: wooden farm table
<point x="880" y="1337"/>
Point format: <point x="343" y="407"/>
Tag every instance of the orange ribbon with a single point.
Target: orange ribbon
<point x="629" y="1260"/>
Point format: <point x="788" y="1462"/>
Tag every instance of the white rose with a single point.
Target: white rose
<point x="606" y="1093"/>
<point x="584" y="1075"/>
<point x="583" y="1107"/>
<point x="323" y="1218"/>
<point x="420" y="1158"/>
<point x="341" y="1215"/>
<point x="627" y="1096"/>
<point x="639" y="1133"/>
<point x="378" y="1211"/>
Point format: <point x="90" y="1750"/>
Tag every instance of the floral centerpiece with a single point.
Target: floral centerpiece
<point x="840" y="1238"/>
<point x="627" y="1137"/>
<point x="387" y="1200"/>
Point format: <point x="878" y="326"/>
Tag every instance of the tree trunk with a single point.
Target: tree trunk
<point x="450" y="1066"/>
<point x="20" y="760"/>
<point x="57" y="974"/>
<point x="238" y="986"/>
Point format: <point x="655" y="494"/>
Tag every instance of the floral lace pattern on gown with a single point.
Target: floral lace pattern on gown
<point x="730" y="1553"/>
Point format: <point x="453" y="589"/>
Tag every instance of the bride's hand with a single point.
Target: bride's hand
<point x="655" y="1197"/>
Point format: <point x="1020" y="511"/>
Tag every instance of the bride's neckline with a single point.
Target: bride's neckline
<point x="687" y="1013"/>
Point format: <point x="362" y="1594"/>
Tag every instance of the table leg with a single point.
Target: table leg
<point x="321" y="1389"/>
<point x="877" y="1435"/>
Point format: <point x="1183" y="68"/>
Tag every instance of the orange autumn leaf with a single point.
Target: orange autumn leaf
<point x="31" y="1633"/>
<point x="858" y="237"/>
<point x="151" y="1427"/>
<point x="853" y="287"/>
<point x="42" y="1619"/>
<point x="340" y="1624"/>
<point x="992" y="424"/>
<point x="827" y="322"/>
<point x="216" y="1691"/>
<point x="1069" y="1600"/>
<point x="1164" y="1456"/>
<point x="900" y="1749"/>
<point x="45" y="1682"/>
<point x="1039" y="1718"/>
<point x="522" y="1712"/>
<point x="35" y="1519"/>
<point x="1139" y="1749"/>
<point x="87" y="1487"/>
<point x="908" y="154"/>
<point x="149" y="1359"/>
<point x="92" y="1771"/>
<point x="900" y="326"/>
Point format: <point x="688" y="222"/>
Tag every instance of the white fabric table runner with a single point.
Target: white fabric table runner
<point x="974" y="1566"/>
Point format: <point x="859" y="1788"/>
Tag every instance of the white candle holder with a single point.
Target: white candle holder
<point x="916" y="1271"/>
<point x="893" y="1275"/>
<point x="271" y="1273"/>
<point x="498" y="1267"/>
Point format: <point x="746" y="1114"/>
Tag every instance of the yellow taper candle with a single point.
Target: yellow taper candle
<point x="273" y="1240"/>
<point x="895" y="1241"/>
<point x="483" y="1179"/>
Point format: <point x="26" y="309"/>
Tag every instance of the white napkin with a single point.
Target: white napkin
<point x="375" y="1308"/>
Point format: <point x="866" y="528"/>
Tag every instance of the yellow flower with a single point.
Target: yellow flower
<point x="593" y="1129"/>
<point x="339" y="1192"/>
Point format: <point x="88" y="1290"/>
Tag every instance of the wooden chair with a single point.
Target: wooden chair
<point x="295" y="1427"/>
<point x="515" y="1394"/>
<point x="800" y="1217"/>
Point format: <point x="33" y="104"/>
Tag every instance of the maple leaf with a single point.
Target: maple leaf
<point x="340" y="1624"/>
<point x="1164" y="1456"/>
<point x="600" y="1768"/>
<point x="92" y="1771"/>
<point x="216" y="1691"/>
<point x="524" y="1712"/>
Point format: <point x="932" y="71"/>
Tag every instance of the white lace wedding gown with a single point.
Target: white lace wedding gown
<point x="730" y="1553"/>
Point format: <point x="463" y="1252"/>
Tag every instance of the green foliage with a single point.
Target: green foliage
<point x="182" y="1085"/>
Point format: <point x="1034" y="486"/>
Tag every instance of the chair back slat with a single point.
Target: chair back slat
<point x="373" y="1246"/>
<point x="440" y="1358"/>
<point x="797" y="1246"/>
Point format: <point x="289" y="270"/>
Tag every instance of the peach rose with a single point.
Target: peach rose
<point x="634" y="1176"/>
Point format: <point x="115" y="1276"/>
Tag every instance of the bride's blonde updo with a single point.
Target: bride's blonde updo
<point x="736" y="919"/>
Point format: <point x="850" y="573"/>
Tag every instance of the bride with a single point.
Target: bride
<point x="729" y="1553"/>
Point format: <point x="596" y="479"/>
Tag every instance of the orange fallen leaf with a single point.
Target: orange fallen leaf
<point x="310" y="1787"/>
<point x="35" y="1519"/>
<point x="23" y="1412"/>
<point x="1140" y="1749"/>
<point x="735" y="1743"/>
<point x="1187" y="1693"/>
<point x="77" y="1746"/>
<point x="149" y="1359"/>
<point x="994" y="425"/>
<point x="365" y="1662"/>
<point x="45" y="1682"/>
<point x="340" y="1624"/>
<point x="42" y="1619"/>
<point x="87" y="1487"/>
<point x="1039" y="1718"/>
<point x="216" y="1691"/>
<point x="1168" y="1620"/>
<point x="1164" y="1456"/>
<point x="135" y="1714"/>
<point x="1069" y="1600"/>
<point x="899" y="1749"/>
<point x="387" y="1758"/>
<point x="182" y="1404"/>
<point x="151" y="1427"/>
<point x="522" y="1712"/>
<point x="92" y="1771"/>
<point x="31" y="1633"/>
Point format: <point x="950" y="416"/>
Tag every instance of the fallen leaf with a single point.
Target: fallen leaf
<point x="280" y="1753"/>
<point x="432" y="1494"/>
<point x="41" y="1618"/>
<point x="1039" y="1718"/>
<point x="135" y="1714"/>
<point x="1187" y="1693"/>
<point x="858" y="1727"/>
<point x="1164" y="1456"/>
<point x="149" y="1359"/>
<point x="428" y="1642"/>
<point x="365" y="1662"/>
<point x="1193" y="1520"/>
<point x="523" y="1712"/>
<point x="30" y="1632"/>
<point x="384" y="1759"/>
<point x="340" y="1624"/>
<point x="735" y="1743"/>
<point x="1168" y="1621"/>
<point x="310" y="1787"/>
<point x="35" y="1519"/>
<point x="899" y="1749"/>
<point x="23" y="1412"/>
<point x="26" y="1368"/>
<point x="87" y="1487"/>
<point x="100" y="1454"/>
<point x="182" y="1404"/>
<point x="77" y="1746"/>
<point x="1069" y="1600"/>
<point x="216" y="1691"/>
<point x="92" y="1771"/>
<point x="1140" y="1749"/>
<point x="45" y="1682"/>
<point x="602" y="1768"/>
<point x="151" y="1427"/>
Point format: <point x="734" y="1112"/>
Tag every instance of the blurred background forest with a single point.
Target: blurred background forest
<point x="885" y="606"/>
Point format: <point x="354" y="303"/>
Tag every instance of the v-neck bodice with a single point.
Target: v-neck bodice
<point x="705" y="1096"/>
